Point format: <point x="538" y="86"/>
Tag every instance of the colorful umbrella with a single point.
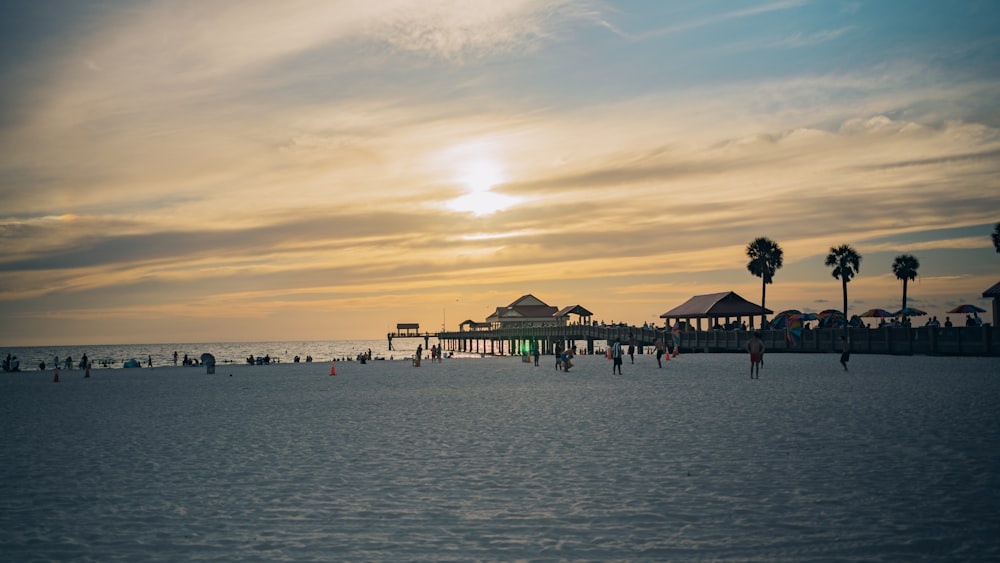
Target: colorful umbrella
<point x="789" y="312"/>
<point x="780" y="320"/>
<point x="830" y="318"/>
<point x="910" y="312"/>
<point x="879" y="313"/>
<point x="794" y="326"/>
<point x="967" y="308"/>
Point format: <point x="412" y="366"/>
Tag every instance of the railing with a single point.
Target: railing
<point x="973" y="341"/>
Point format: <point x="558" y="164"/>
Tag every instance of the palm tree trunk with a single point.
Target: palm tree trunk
<point x="763" y="299"/>
<point x="904" y="293"/>
<point x="847" y="330"/>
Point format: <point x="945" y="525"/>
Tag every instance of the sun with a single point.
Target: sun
<point x="479" y="176"/>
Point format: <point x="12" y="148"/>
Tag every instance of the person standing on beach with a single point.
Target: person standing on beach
<point x="661" y="347"/>
<point x="755" y="346"/>
<point x="845" y="353"/>
<point x="616" y="357"/>
<point x="631" y="347"/>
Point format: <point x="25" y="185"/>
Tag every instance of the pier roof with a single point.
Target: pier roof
<point x="574" y="310"/>
<point x="714" y="305"/>
<point x="527" y="307"/>
<point x="993" y="291"/>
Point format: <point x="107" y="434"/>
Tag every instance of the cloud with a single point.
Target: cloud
<point x="697" y="23"/>
<point x="799" y="39"/>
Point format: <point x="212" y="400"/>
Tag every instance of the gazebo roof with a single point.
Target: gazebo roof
<point x="574" y="310"/>
<point x="993" y="291"/>
<point x="726" y="304"/>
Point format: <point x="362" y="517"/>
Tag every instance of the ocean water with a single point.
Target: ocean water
<point x="114" y="356"/>
<point x="498" y="460"/>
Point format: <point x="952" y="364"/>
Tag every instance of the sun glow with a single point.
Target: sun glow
<point x="479" y="178"/>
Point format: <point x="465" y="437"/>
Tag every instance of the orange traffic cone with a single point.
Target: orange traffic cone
<point x="55" y="378"/>
<point x="333" y="369"/>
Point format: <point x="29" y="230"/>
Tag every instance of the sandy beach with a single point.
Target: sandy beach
<point x="494" y="459"/>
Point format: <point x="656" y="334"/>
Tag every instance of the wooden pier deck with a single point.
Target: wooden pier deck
<point x="960" y="341"/>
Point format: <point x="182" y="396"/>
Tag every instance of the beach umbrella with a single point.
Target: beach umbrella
<point x="967" y="308"/>
<point x="794" y="323"/>
<point x="910" y="312"/>
<point x="793" y="329"/>
<point x="789" y="312"/>
<point x="781" y="319"/>
<point x="878" y="313"/>
<point x="830" y="318"/>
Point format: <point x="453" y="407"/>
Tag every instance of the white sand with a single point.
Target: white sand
<point x="897" y="460"/>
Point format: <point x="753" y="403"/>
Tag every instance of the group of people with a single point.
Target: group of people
<point x="436" y="354"/>
<point x="67" y="363"/>
<point x="11" y="363"/>
<point x="564" y="357"/>
<point x="259" y="361"/>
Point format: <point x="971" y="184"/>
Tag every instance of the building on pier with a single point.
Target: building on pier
<point x="530" y="311"/>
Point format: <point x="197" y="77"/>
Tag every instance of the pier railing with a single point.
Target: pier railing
<point x="964" y="341"/>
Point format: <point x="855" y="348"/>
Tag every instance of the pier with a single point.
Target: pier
<point x="958" y="341"/>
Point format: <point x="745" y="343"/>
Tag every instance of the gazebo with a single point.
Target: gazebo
<point x="714" y="306"/>
<point x="583" y="313"/>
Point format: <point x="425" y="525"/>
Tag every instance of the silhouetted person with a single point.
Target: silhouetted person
<point x="616" y="357"/>
<point x="845" y="354"/>
<point x="755" y="346"/>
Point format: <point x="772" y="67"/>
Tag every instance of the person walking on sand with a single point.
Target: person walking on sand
<point x="755" y="346"/>
<point x="631" y="347"/>
<point x="845" y="354"/>
<point x="616" y="357"/>
<point x="661" y="347"/>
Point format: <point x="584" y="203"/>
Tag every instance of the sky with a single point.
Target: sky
<point x="189" y="171"/>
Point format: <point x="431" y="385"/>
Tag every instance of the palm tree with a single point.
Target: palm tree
<point x="766" y="257"/>
<point x="905" y="267"/>
<point x="996" y="238"/>
<point x="846" y="263"/>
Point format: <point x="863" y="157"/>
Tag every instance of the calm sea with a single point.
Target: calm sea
<point x="115" y="355"/>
